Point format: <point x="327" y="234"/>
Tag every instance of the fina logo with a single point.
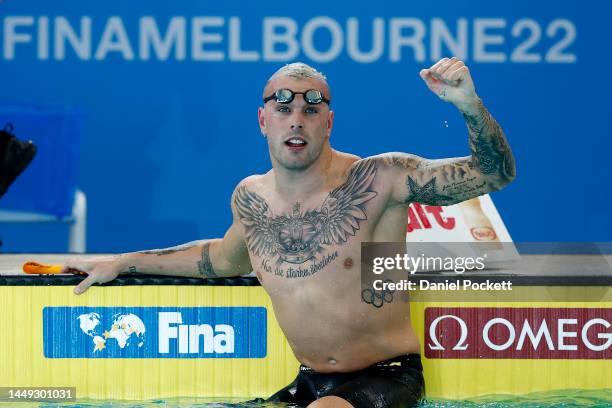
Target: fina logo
<point x="125" y="330"/>
<point x="154" y="332"/>
<point x="220" y="340"/>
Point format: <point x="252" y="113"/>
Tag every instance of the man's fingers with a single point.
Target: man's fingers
<point x="450" y="79"/>
<point x="452" y="68"/>
<point x="432" y="82"/>
<point x="85" y="284"/>
<point x="428" y="76"/>
<point x="445" y="66"/>
<point x="70" y="266"/>
<point x="458" y="73"/>
<point x="435" y="66"/>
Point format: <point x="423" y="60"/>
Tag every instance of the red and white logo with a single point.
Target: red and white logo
<point x="527" y="333"/>
<point x="483" y="233"/>
<point x="417" y="218"/>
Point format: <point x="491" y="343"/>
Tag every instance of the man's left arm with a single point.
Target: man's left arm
<point x="449" y="181"/>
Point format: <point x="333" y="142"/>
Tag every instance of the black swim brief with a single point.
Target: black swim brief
<point x="397" y="382"/>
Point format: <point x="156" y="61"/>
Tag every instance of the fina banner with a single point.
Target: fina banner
<point x="154" y="332"/>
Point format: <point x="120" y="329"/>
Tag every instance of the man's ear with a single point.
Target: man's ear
<point x="262" y="120"/>
<point x="330" y="123"/>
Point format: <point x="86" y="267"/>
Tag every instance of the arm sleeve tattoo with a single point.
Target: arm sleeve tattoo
<point x="490" y="151"/>
<point x="450" y="181"/>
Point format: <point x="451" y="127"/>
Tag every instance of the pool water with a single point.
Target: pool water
<point x="557" y="399"/>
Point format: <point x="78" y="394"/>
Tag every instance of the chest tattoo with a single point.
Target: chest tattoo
<point x="304" y="235"/>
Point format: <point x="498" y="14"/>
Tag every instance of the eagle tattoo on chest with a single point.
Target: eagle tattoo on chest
<point x="298" y="237"/>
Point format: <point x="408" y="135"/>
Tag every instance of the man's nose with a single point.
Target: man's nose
<point x="297" y="120"/>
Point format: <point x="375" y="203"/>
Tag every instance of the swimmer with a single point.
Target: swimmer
<point x="299" y="228"/>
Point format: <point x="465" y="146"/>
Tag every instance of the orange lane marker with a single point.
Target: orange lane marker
<point x="35" y="268"/>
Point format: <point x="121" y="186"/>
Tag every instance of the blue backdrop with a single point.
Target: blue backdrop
<point x="169" y="92"/>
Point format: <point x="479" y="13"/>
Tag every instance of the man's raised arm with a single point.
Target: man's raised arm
<point x="449" y="181"/>
<point x="213" y="258"/>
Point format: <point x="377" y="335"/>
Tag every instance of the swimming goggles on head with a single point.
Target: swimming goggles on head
<point x="311" y="96"/>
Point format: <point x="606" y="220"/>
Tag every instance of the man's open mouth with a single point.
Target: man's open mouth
<point x="295" y="142"/>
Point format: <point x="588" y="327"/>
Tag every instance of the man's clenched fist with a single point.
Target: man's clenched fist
<point x="450" y="79"/>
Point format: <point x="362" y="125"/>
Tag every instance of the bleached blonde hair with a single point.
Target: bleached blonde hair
<point x="299" y="70"/>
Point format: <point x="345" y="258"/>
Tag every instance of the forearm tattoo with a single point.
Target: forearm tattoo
<point x="490" y="151"/>
<point x="171" y="250"/>
<point x="205" y="266"/>
<point x="450" y="181"/>
<point x="306" y="234"/>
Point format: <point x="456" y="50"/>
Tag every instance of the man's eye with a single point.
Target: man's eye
<point x="283" y="108"/>
<point x="311" y="110"/>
